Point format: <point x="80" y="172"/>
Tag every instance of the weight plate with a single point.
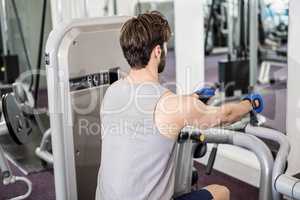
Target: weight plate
<point x="19" y="127"/>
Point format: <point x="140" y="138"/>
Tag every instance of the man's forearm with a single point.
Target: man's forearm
<point x="233" y="112"/>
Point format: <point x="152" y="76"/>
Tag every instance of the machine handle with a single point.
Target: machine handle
<point x="211" y="160"/>
<point x="253" y="118"/>
<point x="200" y="150"/>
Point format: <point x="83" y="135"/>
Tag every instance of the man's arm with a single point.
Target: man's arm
<point x="175" y="112"/>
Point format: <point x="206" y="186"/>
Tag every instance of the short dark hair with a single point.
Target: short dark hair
<point x="141" y="34"/>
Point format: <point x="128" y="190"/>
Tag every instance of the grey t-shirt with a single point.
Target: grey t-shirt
<point x="137" y="162"/>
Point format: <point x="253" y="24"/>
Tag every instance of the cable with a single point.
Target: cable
<point x="40" y="54"/>
<point x="139" y="7"/>
<point x="115" y="7"/>
<point x="242" y="47"/>
<point x="105" y="7"/>
<point x="1" y="40"/>
<point x="22" y="38"/>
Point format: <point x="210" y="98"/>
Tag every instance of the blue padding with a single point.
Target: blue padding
<point x="206" y="92"/>
<point x="255" y="97"/>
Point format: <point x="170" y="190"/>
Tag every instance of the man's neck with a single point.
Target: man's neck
<point x="146" y="74"/>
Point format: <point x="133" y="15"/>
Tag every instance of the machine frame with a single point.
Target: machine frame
<point x="59" y="98"/>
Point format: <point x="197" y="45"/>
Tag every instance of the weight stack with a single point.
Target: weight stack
<point x="234" y="76"/>
<point x="9" y="69"/>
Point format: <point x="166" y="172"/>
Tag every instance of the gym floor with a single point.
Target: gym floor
<point x="43" y="182"/>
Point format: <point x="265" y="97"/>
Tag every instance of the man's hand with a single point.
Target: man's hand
<point x="256" y="101"/>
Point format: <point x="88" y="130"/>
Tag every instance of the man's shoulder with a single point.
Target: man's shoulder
<point x="114" y="86"/>
<point x="116" y="83"/>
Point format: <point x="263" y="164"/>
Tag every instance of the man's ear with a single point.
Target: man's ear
<point x="157" y="51"/>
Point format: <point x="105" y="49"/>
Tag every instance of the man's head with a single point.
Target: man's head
<point x="144" y="40"/>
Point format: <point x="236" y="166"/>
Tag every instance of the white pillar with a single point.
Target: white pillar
<point x="253" y="41"/>
<point x="293" y="103"/>
<point x="3" y="25"/>
<point x="189" y="44"/>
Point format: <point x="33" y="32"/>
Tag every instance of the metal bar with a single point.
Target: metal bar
<point x="4" y="26"/>
<point x="230" y="18"/>
<point x="266" y="161"/>
<point x="296" y="191"/>
<point x="44" y="155"/>
<point x="242" y="47"/>
<point x="282" y="155"/>
<point x="4" y="169"/>
<point x="22" y="37"/>
<point x="56" y="116"/>
<point x="209" y="23"/>
<point x="3" y="128"/>
<point x="40" y="53"/>
<point x="253" y="41"/>
<point x="288" y="186"/>
<point x="252" y="143"/>
<point x="183" y="177"/>
<point x="41" y="151"/>
<point x="46" y="138"/>
<point x="115" y="7"/>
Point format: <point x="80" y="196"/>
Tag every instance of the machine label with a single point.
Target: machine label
<point x="94" y="80"/>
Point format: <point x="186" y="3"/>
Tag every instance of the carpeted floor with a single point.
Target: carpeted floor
<point x="42" y="184"/>
<point x="238" y="189"/>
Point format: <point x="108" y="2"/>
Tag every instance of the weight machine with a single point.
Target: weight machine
<point x="15" y="107"/>
<point x="8" y="178"/>
<point x="77" y="81"/>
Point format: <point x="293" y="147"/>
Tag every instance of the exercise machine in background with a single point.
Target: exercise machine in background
<point x="16" y="123"/>
<point x="8" y="178"/>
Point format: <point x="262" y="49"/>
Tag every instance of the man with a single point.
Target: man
<point x="141" y="121"/>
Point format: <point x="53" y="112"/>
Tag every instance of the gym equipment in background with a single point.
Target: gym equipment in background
<point x="9" y="69"/>
<point x="234" y="72"/>
<point x="8" y="178"/>
<point x="18" y="127"/>
<point x="19" y="119"/>
<point x="216" y="31"/>
<point x="18" y="114"/>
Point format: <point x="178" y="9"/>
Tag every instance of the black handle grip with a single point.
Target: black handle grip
<point x="204" y="99"/>
<point x="200" y="150"/>
<point x="211" y="161"/>
<point x="183" y="137"/>
<point x="253" y="118"/>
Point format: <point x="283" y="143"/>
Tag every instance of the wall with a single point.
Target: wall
<point x="293" y="104"/>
